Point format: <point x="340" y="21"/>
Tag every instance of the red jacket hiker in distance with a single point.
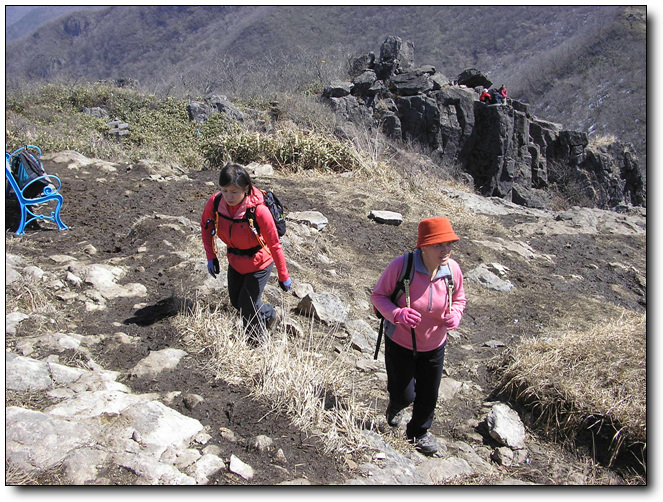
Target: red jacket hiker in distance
<point x="240" y="236"/>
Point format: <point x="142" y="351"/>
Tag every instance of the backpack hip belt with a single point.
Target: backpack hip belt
<point x="244" y="252"/>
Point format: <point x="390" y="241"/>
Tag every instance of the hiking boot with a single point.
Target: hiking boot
<point x="394" y="418"/>
<point x="274" y="322"/>
<point x="426" y="444"/>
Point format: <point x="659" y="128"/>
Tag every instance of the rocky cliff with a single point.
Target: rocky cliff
<point x="507" y="151"/>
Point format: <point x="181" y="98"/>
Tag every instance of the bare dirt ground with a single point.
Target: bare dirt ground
<point x="101" y="213"/>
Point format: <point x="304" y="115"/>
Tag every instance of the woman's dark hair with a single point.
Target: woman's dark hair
<point x="235" y="174"/>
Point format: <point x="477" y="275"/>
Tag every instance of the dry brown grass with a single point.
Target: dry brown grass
<point x="601" y="141"/>
<point x="295" y="376"/>
<point x="592" y="380"/>
<point x="31" y="296"/>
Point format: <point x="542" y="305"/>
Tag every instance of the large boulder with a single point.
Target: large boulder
<point x="221" y="104"/>
<point x="504" y="150"/>
<point x="473" y="78"/>
<point x="395" y="56"/>
<point x="410" y="83"/>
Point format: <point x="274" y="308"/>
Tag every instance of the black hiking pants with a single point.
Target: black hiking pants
<point x="245" y="291"/>
<point x="415" y="380"/>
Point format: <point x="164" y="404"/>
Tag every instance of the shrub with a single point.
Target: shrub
<point x="285" y="148"/>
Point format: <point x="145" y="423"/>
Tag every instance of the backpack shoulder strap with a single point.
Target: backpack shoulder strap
<point x="249" y="212"/>
<point x="406" y="272"/>
<point x="409" y="269"/>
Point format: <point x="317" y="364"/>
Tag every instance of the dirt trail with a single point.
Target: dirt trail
<point x="101" y="208"/>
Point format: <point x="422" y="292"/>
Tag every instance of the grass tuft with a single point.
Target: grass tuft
<point x="586" y="385"/>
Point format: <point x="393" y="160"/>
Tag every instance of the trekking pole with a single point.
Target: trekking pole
<point x="450" y="291"/>
<point x="406" y="285"/>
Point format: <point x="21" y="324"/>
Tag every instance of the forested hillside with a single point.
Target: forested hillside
<point x="582" y="66"/>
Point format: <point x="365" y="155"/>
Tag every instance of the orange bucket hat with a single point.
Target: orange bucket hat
<point x="435" y="231"/>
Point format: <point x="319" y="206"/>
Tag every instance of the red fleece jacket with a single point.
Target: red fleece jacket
<point x="238" y="234"/>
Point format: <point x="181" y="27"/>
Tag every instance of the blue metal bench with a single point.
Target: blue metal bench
<point x="50" y="193"/>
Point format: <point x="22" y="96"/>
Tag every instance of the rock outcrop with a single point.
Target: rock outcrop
<point x="509" y="153"/>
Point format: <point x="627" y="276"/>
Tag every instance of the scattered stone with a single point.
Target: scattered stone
<point x="442" y="470"/>
<point x="90" y="249"/>
<point x="313" y="219"/>
<point x="192" y="400"/>
<point x="184" y="459"/>
<point x="240" y="468"/>
<point x="35" y="272"/>
<point x="62" y="258"/>
<point x="302" y="289"/>
<point x="262" y="443"/>
<point x="103" y="278"/>
<point x="362" y="336"/>
<point x="12" y="321"/>
<point x="448" y="389"/>
<point x="293" y="328"/>
<point x="505" y="426"/>
<point x="280" y="457"/>
<point x="395" y="469"/>
<point x="503" y="455"/>
<point x="258" y="170"/>
<point x="326" y="307"/>
<point x="229" y="435"/>
<point x="23" y="374"/>
<point x="481" y="275"/>
<point x="296" y="482"/>
<point x="386" y="217"/>
<point x="157" y="362"/>
<point x="205" y="467"/>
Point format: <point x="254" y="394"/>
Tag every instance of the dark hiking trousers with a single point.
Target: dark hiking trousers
<point x="414" y="380"/>
<point x="245" y="291"/>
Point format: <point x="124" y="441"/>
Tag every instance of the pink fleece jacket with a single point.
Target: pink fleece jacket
<point x="428" y="297"/>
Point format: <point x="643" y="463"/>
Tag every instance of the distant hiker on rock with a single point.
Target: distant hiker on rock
<point x="485" y="97"/>
<point x="500" y="96"/>
<point x="432" y="302"/>
<point x="495" y="97"/>
<point x="239" y="217"/>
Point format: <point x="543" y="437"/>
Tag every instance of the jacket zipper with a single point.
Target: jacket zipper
<point x="430" y="297"/>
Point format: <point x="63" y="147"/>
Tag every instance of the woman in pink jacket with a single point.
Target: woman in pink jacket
<point x="251" y="255"/>
<point x="414" y="370"/>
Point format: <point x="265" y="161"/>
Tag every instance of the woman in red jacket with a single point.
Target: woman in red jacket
<point x="253" y="247"/>
<point x="485" y="97"/>
<point x="502" y="93"/>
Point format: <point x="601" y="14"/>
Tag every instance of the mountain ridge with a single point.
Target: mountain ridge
<point x="544" y="54"/>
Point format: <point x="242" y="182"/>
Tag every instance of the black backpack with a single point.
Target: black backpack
<point x="276" y="208"/>
<point x="273" y="204"/>
<point x="25" y="168"/>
